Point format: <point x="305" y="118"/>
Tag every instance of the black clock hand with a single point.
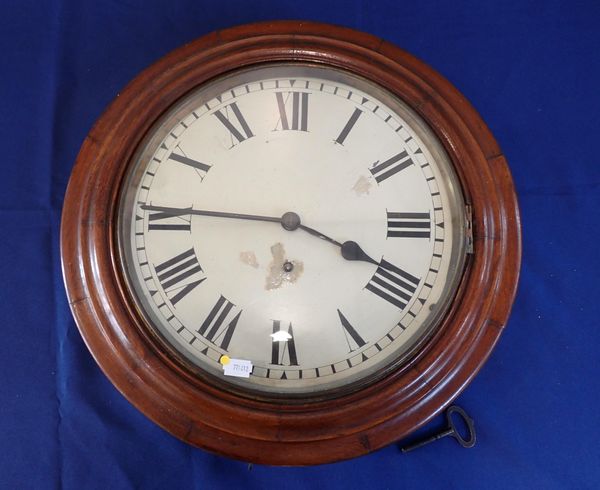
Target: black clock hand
<point x="201" y="212"/>
<point x="289" y="221"/>
<point x="350" y="249"/>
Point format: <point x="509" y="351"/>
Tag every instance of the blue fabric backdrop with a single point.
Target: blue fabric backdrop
<point x="532" y="70"/>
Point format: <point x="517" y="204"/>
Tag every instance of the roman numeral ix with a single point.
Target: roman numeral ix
<point x="171" y="221"/>
<point x="393" y="284"/>
<point x="174" y="275"/>
<point x="408" y="225"/>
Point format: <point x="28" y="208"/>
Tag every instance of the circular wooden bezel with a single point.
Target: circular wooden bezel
<point x="278" y="433"/>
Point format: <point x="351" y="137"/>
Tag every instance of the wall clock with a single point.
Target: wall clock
<point x="290" y="243"/>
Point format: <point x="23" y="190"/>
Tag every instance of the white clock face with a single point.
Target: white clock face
<point x="219" y="274"/>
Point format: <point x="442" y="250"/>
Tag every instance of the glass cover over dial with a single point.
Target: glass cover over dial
<point x="299" y="218"/>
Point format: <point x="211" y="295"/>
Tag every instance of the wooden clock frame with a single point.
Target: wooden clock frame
<point x="200" y="413"/>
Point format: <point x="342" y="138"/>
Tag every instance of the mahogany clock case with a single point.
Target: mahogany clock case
<point x="200" y="413"/>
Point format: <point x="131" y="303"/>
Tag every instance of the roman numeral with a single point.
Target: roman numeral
<point x="169" y="221"/>
<point x="408" y="225"/>
<point x="201" y="168"/>
<point x="285" y="338"/>
<point x="348" y="127"/>
<point x="393" y="284"/>
<point x="299" y="115"/>
<point x="232" y="112"/>
<point x="173" y="275"/>
<point x="350" y="333"/>
<point x="215" y="327"/>
<point x="392" y="166"/>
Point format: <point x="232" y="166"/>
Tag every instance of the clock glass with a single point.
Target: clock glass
<point x="297" y="217"/>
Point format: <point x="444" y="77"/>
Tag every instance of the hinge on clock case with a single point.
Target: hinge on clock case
<point x="469" y="227"/>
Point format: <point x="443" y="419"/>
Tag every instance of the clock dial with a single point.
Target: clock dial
<point x="296" y="217"/>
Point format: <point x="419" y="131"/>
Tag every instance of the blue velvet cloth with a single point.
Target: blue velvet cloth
<point x="531" y="68"/>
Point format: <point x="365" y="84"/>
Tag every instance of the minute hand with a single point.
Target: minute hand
<point x="290" y="221"/>
<point x="203" y="212"/>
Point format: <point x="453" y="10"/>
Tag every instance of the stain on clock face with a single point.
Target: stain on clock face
<point x="296" y="217"/>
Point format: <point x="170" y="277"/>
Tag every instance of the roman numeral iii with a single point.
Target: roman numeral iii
<point x="231" y="117"/>
<point x="393" y="284"/>
<point x="297" y="118"/>
<point x="179" y="275"/>
<point x="219" y="326"/>
<point x="408" y="225"/>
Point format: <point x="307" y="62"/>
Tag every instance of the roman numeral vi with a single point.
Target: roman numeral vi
<point x="286" y="339"/>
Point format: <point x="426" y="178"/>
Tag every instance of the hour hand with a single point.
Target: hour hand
<point x="352" y="251"/>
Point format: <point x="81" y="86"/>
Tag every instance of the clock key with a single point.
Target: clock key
<point x="451" y="430"/>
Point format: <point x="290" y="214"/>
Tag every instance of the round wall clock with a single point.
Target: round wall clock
<point x="290" y="243"/>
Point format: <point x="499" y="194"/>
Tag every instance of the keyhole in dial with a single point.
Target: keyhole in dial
<point x="288" y="266"/>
